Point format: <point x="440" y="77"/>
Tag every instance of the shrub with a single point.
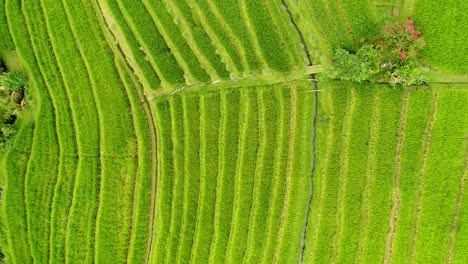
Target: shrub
<point x="392" y="59"/>
<point x="14" y="81"/>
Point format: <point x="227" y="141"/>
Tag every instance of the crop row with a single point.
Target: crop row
<point x="228" y="53"/>
<point x="130" y="47"/>
<point x="153" y="45"/>
<point x="444" y="167"/>
<point x="419" y="113"/>
<point x="194" y="70"/>
<point x="229" y="12"/>
<point x="197" y="38"/>
<point x="62" y="192"/>
<point x="355" y="180"/>
<point x="37" y="190"/>
<point x="223" y="185"/>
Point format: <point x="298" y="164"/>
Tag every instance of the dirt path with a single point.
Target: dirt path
<point x="422" y="173"/>
<point x="393" y="222"/>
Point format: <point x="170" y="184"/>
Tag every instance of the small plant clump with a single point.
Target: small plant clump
<point x="12" y="101"/>
<point x="392" y="59"/>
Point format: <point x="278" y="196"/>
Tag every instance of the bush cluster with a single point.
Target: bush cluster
<point x="392" y="59"/>
<point x="11" y="102"/>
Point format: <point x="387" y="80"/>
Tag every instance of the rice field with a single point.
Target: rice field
<point x="197" y="131"/>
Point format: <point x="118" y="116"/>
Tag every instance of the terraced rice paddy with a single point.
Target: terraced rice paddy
<point x="190" y="132"/>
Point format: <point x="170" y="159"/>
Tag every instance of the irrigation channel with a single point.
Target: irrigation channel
<point x="314" y="130"/>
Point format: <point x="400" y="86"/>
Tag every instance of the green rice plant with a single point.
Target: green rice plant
<point x="278" y="187"/>
<point x="446" y="48"/>
<point x="174" y="38"/>
<point x="140" y="64"/>
<point x="269" y="112"/>
<point x="192" y="170"/>
<point x="228" y="149"/>
<point x="156" y="49"/>
<point x="274" y="51"/>
<point x="144" y="183"/>
<point x="298" y="174"/>
<point x="13" y="208"/>
<point x="340" y="98"/>
<point x="6" y="42"/>
<point x="359" y="18"/>
<point x="177" y="137"/>
<point x="244" y="179"/>
<point x="419" y="113"/>
<point x="354" y="174"/>
<point x="165" y="181"/>
<point x="197" y="38"/>
<point x="323" y="148"/>
<point x="382" y="188"/>
<point x="210" y="115"/>
<point x="445" y="166"/>
<point x="230" y="12"/>
<point x="65" y="131"/>
<point x="224" y="46"/>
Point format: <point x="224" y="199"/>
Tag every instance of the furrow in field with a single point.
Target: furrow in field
<point x="177" y="137"/>
<point x="459" y="254"/>
<point x="81" y="104"/>
<point x="140" y="212"/>
<point x="322" y="250"/>
<point x="14" y="168"/>
<point x="15" y="202"/>
<point x="245" y="170"/>
<point x="197" y="39"/>
<point x="382" y="188"/>
<point x="263" y="182"/>
<point x="266" y="37"/>
<point x="289" y="238"/>
<point x="458" y="212"/>
<point x="62" y="195"/>
<point x="418" y="114"/>
<point x="229" y="35"/>
<point x="421" y="176"/>
<point x="287" y="33"/>
<point x="128" y="44"/>
<point x="354" y="177"/>
<point x="289" y="169"/>
<point x="222" y="44"/>
<point x="338" y="24"/>
<point x="325" y="134"/>
<point x="143" y="208"/>
<point x="115" y="173"/>
<point x="396" y="195"/>
<point x="209" y="139"/>
<point x="176" y="42"/>
<point x="164" y="181"/>
<point x="228" y="149"/>
<point x="239" y="32"/>
<point x="192" y="169"/>
<point x="343" y="173"/>
<point x="39" y="192"/>
<point x="152" y="43"/>
<point x="369" y="175"/>
<point x="444" y="170"/>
